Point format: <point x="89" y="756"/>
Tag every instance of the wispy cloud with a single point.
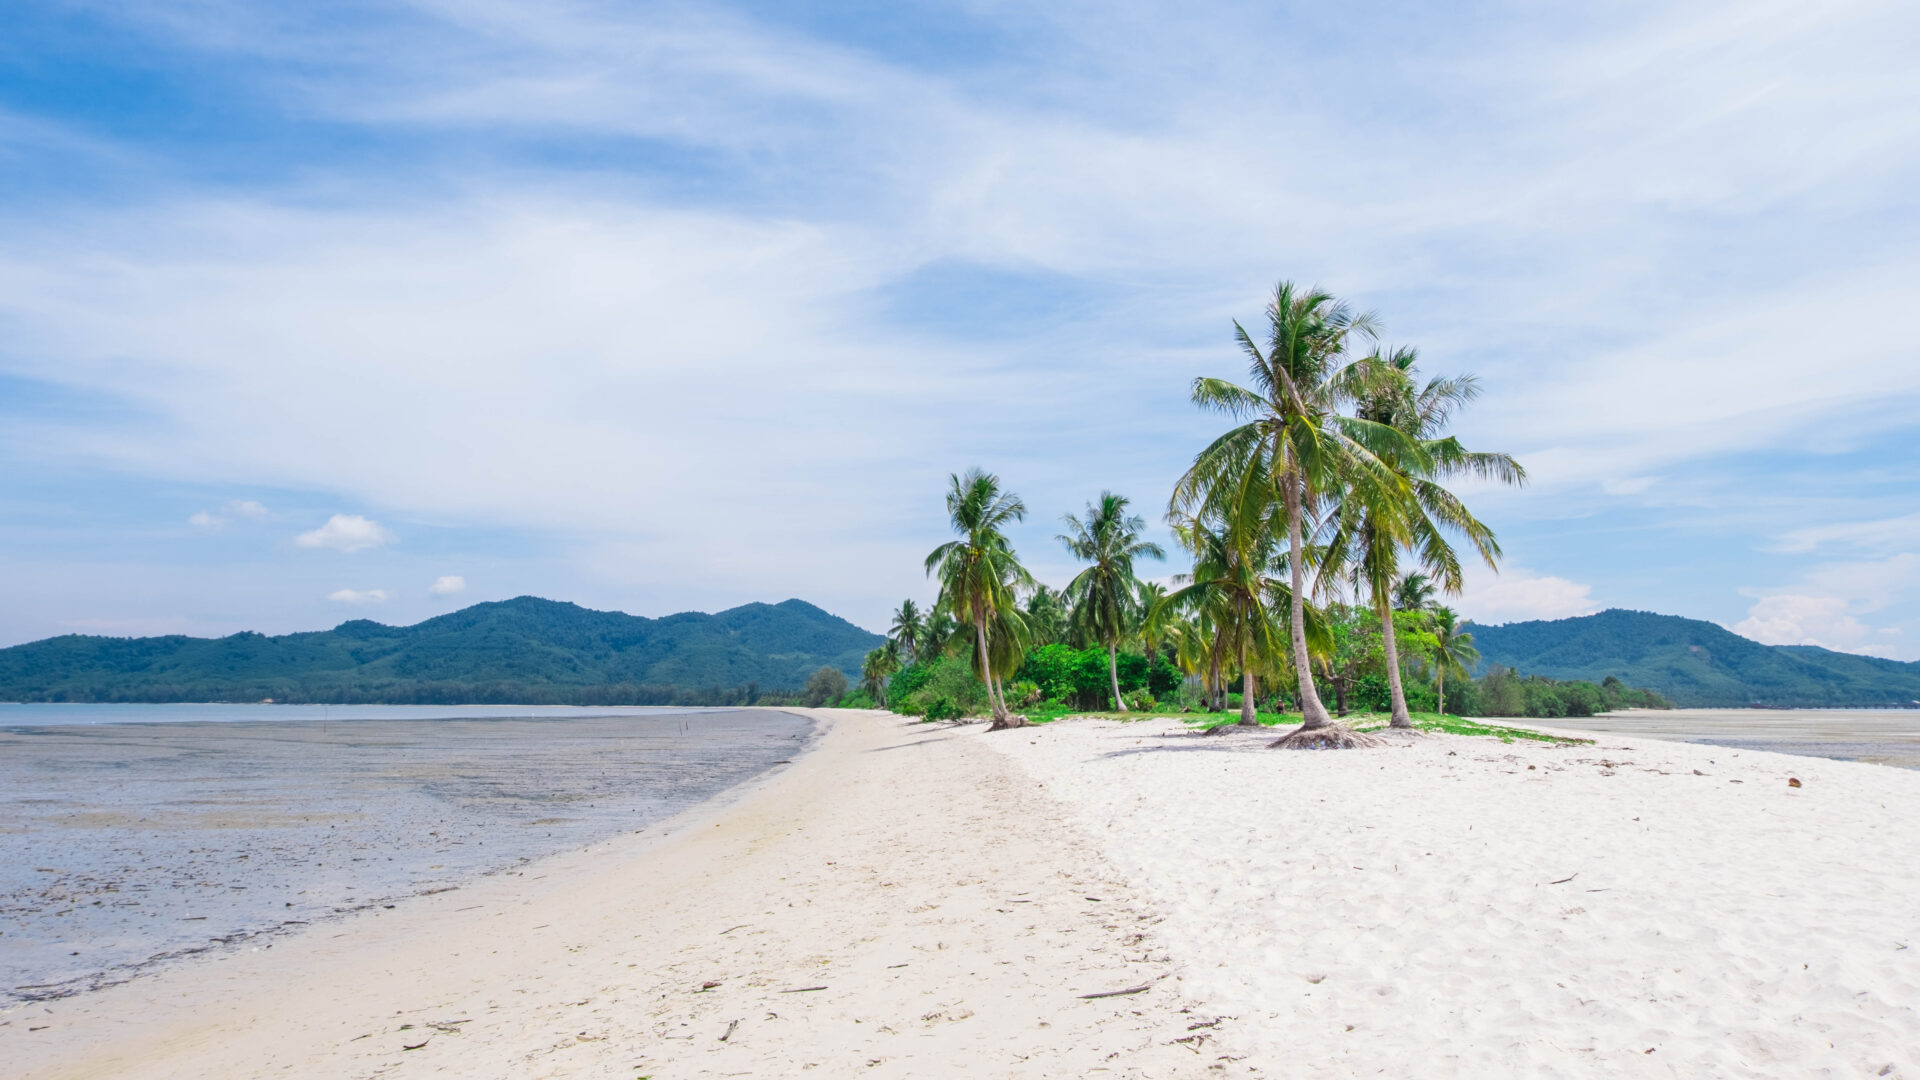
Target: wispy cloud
<point x="448" y="585"/>
<point x="358" y="596"/>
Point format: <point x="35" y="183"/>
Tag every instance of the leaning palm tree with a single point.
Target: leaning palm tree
<point x="979" y="573"/>
<point x="1377" y="522"/>
<point x="880" y="664"/>
<point x="1454" y="652"/>
<point x="1103" y="595"/>
<point x="909" y="628"/>
<point x="1295" y="447"/>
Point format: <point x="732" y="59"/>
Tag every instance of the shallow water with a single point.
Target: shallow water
<point x="123" y="845"/>
<point x="1881" y="736"/>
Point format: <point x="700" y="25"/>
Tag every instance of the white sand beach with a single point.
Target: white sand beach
<point x="1454" y="906"/>
<point x="921" y="900"/>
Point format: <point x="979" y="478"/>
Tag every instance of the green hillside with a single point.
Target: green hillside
<point x="1697" y="664"/>
<point x="522" y="651"/>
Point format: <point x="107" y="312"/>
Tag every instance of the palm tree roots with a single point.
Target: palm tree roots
<point x="1329" y="737"/>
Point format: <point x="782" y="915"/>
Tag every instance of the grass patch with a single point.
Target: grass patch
<point x="1451" y="725"/>
<point x="1454" y="725"/>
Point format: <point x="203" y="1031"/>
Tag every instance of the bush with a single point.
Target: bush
<point x="915" y="689"/>
<point x="857" y="698"/>
<point x="827" y="684"/>
<point x="941" y="707"/>
<point x="1141" y="701"/>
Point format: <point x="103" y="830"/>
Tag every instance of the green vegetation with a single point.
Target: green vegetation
<point x="524" y="651"/>
<point x="1298" y="520"/>
<point x="1697" y="664"/>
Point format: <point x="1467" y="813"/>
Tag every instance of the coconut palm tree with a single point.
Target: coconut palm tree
<point x="1152" y="632"/>
<point x="1413" y="592"/>
<point x="1230" y="586"/>
<point x="1104" y="594"/>
<point x="1454" y="652"/>
<point x="1295" y="447"/>
<point x="908" y="629"/>
<point x="877" y="668"/>
<point x="978" y="573"/>
<point x="1376" y="521"/>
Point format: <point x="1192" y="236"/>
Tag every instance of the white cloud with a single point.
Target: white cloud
<point x="1516" y="595"/>
<point x="247" y="508"/>
<point x="358" y="596"/>
<point x="346" y="532"/>
<point x="204" y="520"/>
<point x="1881" y="535"/>
<point x="1804" y="620"/>
<point x="448" y="585"/>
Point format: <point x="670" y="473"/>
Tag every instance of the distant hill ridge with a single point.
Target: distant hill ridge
<point x="1695" y="663"/>
<point x="521" y="651"/>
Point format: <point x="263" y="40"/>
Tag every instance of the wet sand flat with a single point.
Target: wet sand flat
<point x="124" y="846"/>
<point x="1880" y="736"/>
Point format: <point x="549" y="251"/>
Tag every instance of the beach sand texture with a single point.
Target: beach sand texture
<point x="1454" y="906"/>
<point x="901" y="901"/>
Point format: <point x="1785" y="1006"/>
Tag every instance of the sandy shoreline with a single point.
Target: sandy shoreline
<point x="907" y="871"/>
<point x="1451" y="907"/>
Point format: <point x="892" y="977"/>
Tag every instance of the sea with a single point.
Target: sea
<point x="1880" y="736"/>
<point x="132" y="836"/>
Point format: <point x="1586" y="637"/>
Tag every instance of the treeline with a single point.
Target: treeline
<point x="1067" y="674"/>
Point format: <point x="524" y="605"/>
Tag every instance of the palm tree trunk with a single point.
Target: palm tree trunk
<point x="986" y="668"/>
<point x="1312" y="713"/>
<point x="1442" y="688"/>
<point x="1246" y="689"/>
<point x="1399" y="707"/>
<point x="1215" y="702"/>
<point x="1113" y="674"/>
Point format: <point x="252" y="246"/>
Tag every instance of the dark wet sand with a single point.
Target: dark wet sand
<point x="124" y="845"/>
<point x="1881" y="736"/>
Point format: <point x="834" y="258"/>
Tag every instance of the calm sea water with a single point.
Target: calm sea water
<point x="134" y="834"/>
<point x="1882" y="736"/>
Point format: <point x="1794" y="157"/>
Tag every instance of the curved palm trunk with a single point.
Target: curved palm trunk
<point x="986" y="668"/>
<point x="1113" y="674"/>
<point x="1441" y="689"/>
<point x="1400" y="718"/>
<point x="1312" y="714"/>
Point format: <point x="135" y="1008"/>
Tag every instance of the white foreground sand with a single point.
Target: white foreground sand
<point x="1458" y="907"/>
<point x="900" y="902"/>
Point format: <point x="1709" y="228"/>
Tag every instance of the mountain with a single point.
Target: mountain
<point x="1697" y="664"/>
<point x="522" y="651"/>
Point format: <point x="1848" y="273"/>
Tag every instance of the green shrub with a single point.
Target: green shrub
<point x="941" y="707"/>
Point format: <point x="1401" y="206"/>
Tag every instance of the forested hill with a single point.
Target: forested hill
<point x="522" y="651"/>
<point x="1697" y="664"/>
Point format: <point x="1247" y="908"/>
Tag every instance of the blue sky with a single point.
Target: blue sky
<point x="376" y="310"/>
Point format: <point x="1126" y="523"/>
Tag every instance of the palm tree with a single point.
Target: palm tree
<point x="1454" y="652"/>
<point x="979" y="573"/>
<point x="1103" y="595"/>
<point x="1295" y="447"/>
<point x="1378" y="521"/>
<point x="1152" y="631"/>
<point x="1414" y="592"/>
<point x="1046" y="615"/>
<point x="909" y="628"/>
<point x="880" y="665"/>
<point x="1229" y="586"/>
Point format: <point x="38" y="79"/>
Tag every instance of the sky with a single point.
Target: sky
<point x="356" y="310"/>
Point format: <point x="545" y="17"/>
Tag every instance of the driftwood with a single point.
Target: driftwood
<point x="1118" y="993"/>
<point x="730" y="1026"/>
